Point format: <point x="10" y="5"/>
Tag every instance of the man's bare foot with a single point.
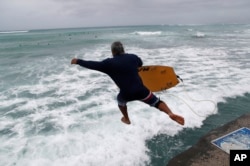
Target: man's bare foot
<point x="126" y="121"/>
<point x="177" y="118"/>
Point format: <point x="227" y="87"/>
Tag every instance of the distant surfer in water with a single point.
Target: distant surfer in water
<point x="123" y="70"/>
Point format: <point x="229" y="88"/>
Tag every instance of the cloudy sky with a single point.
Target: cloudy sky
<point x="45" y="14"/>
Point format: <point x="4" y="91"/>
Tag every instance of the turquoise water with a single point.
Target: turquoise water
<point x="54" y="113"/>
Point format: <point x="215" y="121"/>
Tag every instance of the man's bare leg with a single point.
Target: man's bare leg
<point x="164" y="108"/>
<point x="125" y="118"/>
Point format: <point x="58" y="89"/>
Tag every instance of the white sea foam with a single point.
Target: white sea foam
<point x="9" y="32"/>
<point x="199" y="35"/>
<point x="147" y="33"/>
<point x="94" y="135"/>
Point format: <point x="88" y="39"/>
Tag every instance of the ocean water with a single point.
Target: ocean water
<point x="53" y="113"/>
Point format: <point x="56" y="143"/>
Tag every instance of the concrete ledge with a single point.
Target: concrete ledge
<point x="206" y="154"/>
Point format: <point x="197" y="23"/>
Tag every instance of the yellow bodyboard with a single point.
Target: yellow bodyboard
<point x="158" y="78"/>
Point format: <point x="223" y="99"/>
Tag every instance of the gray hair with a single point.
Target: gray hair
<point x="117" y="48"/>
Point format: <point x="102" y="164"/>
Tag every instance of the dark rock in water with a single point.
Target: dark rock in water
<point x="204" y="153"/>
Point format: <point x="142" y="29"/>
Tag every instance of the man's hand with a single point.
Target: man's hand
<point x="74" y="61"/>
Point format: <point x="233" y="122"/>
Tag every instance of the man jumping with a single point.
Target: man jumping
<point x="123" y="70"/>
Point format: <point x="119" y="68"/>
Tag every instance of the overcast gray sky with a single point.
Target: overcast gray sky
<point x="45" y="14"/>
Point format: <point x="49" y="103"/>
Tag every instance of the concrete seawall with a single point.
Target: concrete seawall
<point x="206" y="154"/>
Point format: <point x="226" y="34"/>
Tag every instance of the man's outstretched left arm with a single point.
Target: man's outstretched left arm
<point x="94" y="65"/>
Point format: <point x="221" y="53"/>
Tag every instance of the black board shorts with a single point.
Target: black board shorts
<point x="151" y="100"/>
